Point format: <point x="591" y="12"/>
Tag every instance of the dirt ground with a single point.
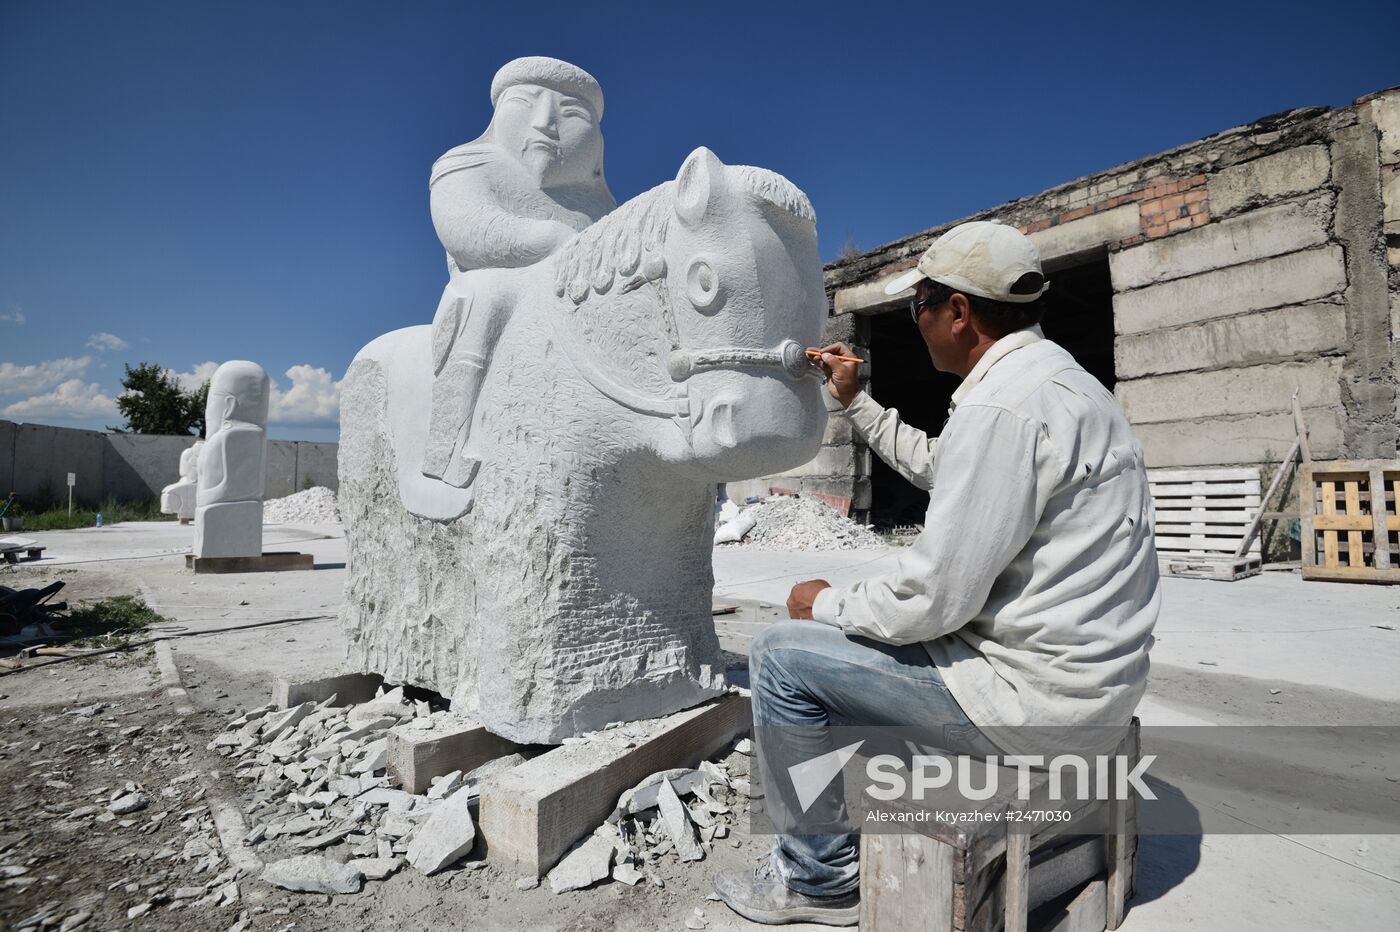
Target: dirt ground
<point x="75" y="734"/>
<point x="1270" y="650"/>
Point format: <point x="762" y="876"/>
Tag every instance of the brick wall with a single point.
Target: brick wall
<point x="1246" y="265"/>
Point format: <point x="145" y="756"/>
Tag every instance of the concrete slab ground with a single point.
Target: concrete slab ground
<point x="1331" y="651"/>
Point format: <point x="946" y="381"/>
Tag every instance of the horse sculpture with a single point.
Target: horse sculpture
<point x="657" y="353"/>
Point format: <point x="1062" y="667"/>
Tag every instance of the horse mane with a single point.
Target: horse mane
<point x="628" y="243"/>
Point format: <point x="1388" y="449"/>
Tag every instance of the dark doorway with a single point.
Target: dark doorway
<point x="902" y="376"/>
<point x="1078" y="315"/>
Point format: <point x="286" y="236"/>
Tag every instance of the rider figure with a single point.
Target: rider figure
<point x="506" y="200"/>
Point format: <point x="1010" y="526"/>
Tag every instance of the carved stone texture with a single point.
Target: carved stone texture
<point x="178" y="498"/>
<point x="567" y="582"/>
<point x="228" y="516"/>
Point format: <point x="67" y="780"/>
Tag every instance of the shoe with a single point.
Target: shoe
<point x="760" y="895"/>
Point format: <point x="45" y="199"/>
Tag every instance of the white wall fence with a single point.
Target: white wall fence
<point x="35" y="461"/>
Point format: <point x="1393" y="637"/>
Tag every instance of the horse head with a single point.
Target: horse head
<point x="712" y="286"/>
<point x="744" y="287"/>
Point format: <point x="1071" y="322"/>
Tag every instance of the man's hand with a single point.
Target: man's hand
<point x="803" y="594"/>
<point x="841" y="379"/>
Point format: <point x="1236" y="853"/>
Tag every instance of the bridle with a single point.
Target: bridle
<point x="788" y="356"/>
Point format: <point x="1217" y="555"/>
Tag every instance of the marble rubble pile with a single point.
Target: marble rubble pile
<point x="316" y="505"/>
<point x="323" y="817"/>
<point x="784" y="522"/>
<point x="677" y="815"/>
<point x="322" y="813"/>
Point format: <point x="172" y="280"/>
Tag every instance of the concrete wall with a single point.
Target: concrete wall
<point x="1246" y="265"/>
<point x="35" y="460"/>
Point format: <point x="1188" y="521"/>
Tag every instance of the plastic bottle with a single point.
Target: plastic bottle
<point x="99" y="519"/>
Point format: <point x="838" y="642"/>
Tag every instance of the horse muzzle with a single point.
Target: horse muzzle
<point x="788" y="356"/>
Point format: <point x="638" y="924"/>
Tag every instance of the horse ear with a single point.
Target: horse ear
<point x="698" y="185"/>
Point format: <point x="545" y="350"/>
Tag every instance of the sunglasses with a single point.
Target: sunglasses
<point x="916" y="306"/>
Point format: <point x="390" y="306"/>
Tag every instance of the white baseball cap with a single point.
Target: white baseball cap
<point x="980" y="257"/>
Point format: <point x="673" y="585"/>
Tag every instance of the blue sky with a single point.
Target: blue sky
<point x="187" y="182"/>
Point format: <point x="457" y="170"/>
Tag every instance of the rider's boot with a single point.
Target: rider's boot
<point x="455" y="392"/>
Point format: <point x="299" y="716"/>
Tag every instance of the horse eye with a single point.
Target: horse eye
<point x="702" y="285"/>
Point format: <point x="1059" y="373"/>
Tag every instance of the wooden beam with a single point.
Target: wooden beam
<point x="533" y="813"/>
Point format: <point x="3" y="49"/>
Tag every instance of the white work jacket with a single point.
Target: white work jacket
<point x="1034" y="585"/>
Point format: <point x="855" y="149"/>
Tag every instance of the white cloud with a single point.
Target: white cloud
<point x="103" y="341"/>
<point x="192" y="380"/>
<point x="13" y="316"/>
<point x="73" y="399"/>
<point x="314" y="398"/>
<point x="15" y="380"/>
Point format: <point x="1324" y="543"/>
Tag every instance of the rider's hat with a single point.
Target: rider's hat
<point x="551" y="73"/>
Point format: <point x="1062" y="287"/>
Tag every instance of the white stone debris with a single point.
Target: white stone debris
<point x="782" y="522"/>
<point x="309" y="873"/>
<point x="587" y="864"/>
<point x="446" y="837"/>
<point x="376" y="868"/>
<point x="316" y="505"/>
<point x="128" y="803"/>
<point x="319" y="798"/>
<point x="676" y="818"/>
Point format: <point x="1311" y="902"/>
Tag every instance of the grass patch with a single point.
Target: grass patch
<point x="109" y="622"/>
<point x="57" y="518"/>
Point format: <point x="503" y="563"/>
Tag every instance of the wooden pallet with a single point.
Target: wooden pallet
<point x="1351" y="524"/>
<point x="1201" y="516"/>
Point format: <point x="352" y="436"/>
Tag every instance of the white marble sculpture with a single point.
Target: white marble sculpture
<point x="178" y="498"/>
<point x="562" y="580"/>
<point x="232" y="464"/>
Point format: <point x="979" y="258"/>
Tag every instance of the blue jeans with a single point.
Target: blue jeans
<point x="806" y="675"/>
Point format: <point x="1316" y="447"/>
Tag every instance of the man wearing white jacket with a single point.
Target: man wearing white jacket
<point x="1027" y="604"/>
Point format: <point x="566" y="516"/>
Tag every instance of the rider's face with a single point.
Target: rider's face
<point x="555" y="136"/>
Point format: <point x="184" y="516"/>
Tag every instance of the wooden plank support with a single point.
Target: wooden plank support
<point x="1087" y="912"/>
<point x="531" y="815"/>
<point x="263" y="563"/>
<point x="1016" y="902"/>
<point x="906" y="883"/>
<point x="347" y="688"/>
<point x="416" y="756"/>
<point x="1122" y="831"/>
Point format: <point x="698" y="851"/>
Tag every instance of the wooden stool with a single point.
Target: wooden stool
<point x="980" y="876"/>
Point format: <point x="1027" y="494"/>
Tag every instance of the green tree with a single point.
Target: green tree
<point x="197" y="401"/>
<point x="153" y="403"/>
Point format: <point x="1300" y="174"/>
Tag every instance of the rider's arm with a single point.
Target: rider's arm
<point x="479" y="234"/>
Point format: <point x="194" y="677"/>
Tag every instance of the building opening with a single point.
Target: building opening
<point x="1078" y="316"/>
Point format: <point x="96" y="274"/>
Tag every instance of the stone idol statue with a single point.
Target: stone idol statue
<point x="527" y="485"/>
<point x="178" y="498"/>
<point x="228" y="519"/>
